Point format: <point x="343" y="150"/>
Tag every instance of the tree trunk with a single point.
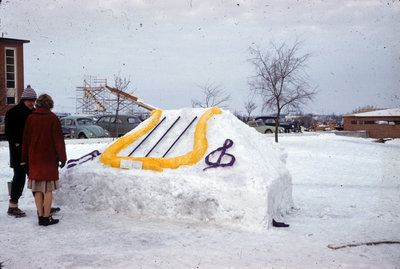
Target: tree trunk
<point x="278" y="114"/>
<point x="116" y="118"/>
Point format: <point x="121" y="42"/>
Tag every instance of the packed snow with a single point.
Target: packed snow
<point x="345" y="191"/>
<point x="247" y="194"/>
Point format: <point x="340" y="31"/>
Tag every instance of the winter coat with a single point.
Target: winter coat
<point x="43" y="145"/>
<point x="14" y="130"/>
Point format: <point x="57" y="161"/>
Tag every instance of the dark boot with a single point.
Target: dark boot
<point x="46" y="221"/>
<point x="279" y="224"/>
<point x="16" y="212"/>
<point x="41" y="220"/>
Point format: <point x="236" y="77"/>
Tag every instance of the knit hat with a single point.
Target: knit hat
<point x="28" y="94"/>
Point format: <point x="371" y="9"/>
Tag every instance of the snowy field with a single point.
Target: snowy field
<point x="345" y="191"/>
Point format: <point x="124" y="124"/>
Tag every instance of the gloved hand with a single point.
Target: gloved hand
<point x="62" y="164"/>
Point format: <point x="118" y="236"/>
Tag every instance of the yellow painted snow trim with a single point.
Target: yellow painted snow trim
<point x="200" y="146"/>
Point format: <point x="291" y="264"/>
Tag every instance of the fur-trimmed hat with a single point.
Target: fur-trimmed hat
<point x="29" y="94"/>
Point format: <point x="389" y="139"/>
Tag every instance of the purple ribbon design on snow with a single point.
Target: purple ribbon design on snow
<point x="227" y="144"/>
<point x="88" y="157"/>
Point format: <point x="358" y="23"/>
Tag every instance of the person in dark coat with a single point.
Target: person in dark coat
<point x="43" y="149"/>
<point x="14" y="128"/>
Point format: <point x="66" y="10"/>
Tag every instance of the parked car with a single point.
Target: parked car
<point x="288" y="127"/>
<point x="82" y="127"/>
<point x="262" y="128"/>
<point x="125" y="123"/>
<point x="68" y="131"/>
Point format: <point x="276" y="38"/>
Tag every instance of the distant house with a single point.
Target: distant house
<point x="384" y="123"/>
<point x="11" y="73"/>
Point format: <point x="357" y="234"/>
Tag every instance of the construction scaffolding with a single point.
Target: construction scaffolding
<point x="97" y="98"/>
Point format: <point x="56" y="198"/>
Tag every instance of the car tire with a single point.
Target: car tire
<point x="82" y="136"/>
<point x="268" y="131"/>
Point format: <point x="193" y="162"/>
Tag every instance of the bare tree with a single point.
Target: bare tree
<point x="280" y="78"/>
<point x="250" y="106"/>
<point x="239" y="115"/>
<point x="214" y="95"/>
<point x="121" y="84"/>
<point x="363" y="109"/>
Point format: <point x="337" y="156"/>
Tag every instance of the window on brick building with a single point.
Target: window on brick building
<point x="11" y="67"/>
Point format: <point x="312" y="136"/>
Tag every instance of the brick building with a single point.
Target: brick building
<point x="384" y="123"/>
<point x="11" y="72"/>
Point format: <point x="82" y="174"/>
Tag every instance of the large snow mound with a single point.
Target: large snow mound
<point x="246" y="195"/>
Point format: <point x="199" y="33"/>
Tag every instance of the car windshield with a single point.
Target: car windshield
<point x="260" y="123"/>
<point x="84" y="121"/>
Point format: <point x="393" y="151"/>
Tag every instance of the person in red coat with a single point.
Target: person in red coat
<point x="43" y="150"/>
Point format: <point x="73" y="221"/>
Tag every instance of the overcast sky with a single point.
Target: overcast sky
<point x="169" y="47"/>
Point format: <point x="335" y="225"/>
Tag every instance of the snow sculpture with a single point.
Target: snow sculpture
<point x="246" y="195"/>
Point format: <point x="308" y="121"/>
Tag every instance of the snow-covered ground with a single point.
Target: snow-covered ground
<point x="345" y="190"/>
